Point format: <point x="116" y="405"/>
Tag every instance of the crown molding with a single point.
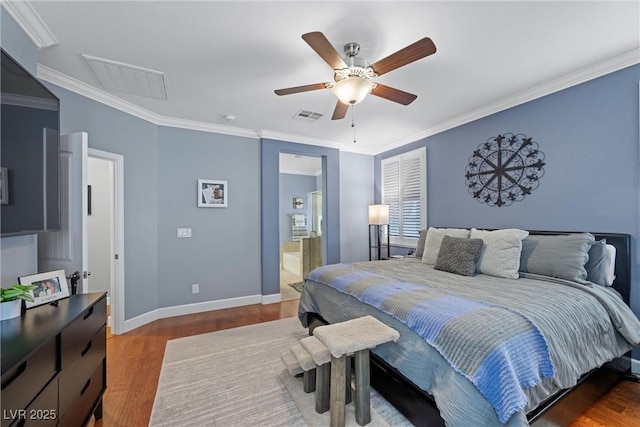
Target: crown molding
<point x="600" y="69"/>
<point x="55" y="77"/>
<point x="280" y="136"/>
<point x="207" y="127"/>
<point x="52" y="76"/>
<point x="613" y="64"/>
<point x="31" y="23"/>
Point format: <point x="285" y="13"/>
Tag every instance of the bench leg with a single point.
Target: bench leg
<point x="309" y="381"/>
<point x="347" y="377"/>
<point x="323" y="375"/>
<point x="363" y="387"/>
<point x="338" y="391"/>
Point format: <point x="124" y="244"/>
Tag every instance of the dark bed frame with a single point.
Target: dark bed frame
<point x="558" y="410"/>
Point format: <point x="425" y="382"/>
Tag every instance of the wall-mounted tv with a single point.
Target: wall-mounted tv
<point x="29" y="153"/>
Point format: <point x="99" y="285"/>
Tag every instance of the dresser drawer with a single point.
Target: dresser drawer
<point x="84" y="400"/>
<point x="22" y="383"/>
<point x="43" y="412"/>
<point x="75" y="337"/>
<point x="75" y="375"/>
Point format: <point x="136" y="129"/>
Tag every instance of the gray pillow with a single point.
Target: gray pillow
<point x="562" y="256"/>
<point x="420" y="245"/>
<point x="598" y="263"/>
<point x="458" y="255"/>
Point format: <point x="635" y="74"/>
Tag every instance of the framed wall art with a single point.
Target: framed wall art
<point x="212" y="193"/>
<point x="50" y="287"/>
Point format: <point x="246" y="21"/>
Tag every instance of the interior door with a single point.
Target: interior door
<point x="67" y="249"/>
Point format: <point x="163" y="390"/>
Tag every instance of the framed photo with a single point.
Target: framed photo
<point x="4" y="186"/>
<point x="212" y="194"/>
<point x="50" y="286"/>
<point x="298" y="203"/>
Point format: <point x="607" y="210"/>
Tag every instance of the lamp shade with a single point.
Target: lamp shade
<point x="352" y="90"/>
<point x="378" y="214"/>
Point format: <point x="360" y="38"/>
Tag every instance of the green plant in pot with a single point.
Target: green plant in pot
<point x="11" y="300"/>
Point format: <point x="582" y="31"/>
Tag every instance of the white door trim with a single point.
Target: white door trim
<point x="117" y="307"/>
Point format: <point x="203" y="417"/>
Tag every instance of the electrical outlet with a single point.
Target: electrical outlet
<point x="195" y="288"/>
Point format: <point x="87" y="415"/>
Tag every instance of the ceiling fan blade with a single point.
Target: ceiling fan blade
<point x="298" y="89"/>
<point x="340" y="111"/>
<point x="392" y="94"/>
<point x="321" y="45"/>
<point x="413" y="52"/>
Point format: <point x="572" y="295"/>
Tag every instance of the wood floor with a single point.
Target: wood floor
<point x="134" y="360"/>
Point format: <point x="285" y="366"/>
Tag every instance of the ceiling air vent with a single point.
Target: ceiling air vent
<point x="307" y="116"/>
<point x="120" y="77"/>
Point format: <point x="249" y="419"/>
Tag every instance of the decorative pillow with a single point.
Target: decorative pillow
<point x="561" y="256"/>
<point x="434" y="238"/>
<point x="611" y="265"/>
<point x="598" y="262"/>
<point x="420" y="245"/>
<point x="500" y="252"/>
<point x="458" y="255"/>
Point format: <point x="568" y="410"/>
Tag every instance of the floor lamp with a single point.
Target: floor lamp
<point x="378" y="216"/>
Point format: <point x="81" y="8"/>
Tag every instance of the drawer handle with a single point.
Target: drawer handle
<point x="89" y="313"/>
<point x="86" y="386"/>
<point x="86" y="349"/>
<point x="12" y="378"/>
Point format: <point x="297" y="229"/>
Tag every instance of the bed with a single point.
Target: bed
<point x="571" y="352"/>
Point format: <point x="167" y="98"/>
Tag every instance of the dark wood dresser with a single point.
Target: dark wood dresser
<point x="54" y="363"/>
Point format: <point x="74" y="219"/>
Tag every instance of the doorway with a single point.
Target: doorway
<point x="300" y="220"/>
<point x="105" y="231"/>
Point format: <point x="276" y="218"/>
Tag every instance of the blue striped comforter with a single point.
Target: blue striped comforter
<point x="500" y="358"/>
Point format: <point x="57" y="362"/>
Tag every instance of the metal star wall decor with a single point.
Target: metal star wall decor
<point x="504" y="169"/>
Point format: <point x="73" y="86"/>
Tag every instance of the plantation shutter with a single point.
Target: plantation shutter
<point x="404" y="190"/>
<point x="411" y="197"/>
<point x="391" y="194"/>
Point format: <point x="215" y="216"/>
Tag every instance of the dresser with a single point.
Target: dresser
<point x="54" y="364"/>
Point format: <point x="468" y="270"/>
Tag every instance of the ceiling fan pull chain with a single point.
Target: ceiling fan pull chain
<point x="353" y="122"/>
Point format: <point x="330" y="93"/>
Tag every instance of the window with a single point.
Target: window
<point x="404" y="189"/>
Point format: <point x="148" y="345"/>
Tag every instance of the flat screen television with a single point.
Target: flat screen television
<point x="29" y="153"/>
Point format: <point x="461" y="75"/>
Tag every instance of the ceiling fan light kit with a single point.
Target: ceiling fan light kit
<point x="353" y="81"/>
<point x="352" y="90"/>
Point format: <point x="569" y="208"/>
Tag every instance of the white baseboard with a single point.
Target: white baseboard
<point x="635" y="366"/>
<point x="181" y="310"/>
<point x="271" y="299"/>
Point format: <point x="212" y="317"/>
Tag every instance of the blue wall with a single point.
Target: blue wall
<point x="223" y="254"/>
<point x="356" y="194"/>
<point x="589" y="135"/>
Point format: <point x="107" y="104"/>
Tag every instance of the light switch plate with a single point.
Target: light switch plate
<point x="184" y="232"/>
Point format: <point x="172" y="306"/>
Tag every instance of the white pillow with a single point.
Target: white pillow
<point x="500" y="252"/>
<point x="434" y="239"/>
<point x="611" y="265"/>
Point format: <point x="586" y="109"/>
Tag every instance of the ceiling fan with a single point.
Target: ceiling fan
<point x="352" y="81"/>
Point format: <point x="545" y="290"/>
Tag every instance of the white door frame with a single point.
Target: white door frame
<point x="117" y="290"/>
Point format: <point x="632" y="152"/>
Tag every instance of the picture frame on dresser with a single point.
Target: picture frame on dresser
<point x="51" y="286"/>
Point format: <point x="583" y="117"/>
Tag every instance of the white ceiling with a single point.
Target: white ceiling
<point x="226" y="58"/>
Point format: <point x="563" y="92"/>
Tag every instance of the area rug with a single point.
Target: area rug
<point x="233" y="378"/>
<point x="297" y="286"/>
